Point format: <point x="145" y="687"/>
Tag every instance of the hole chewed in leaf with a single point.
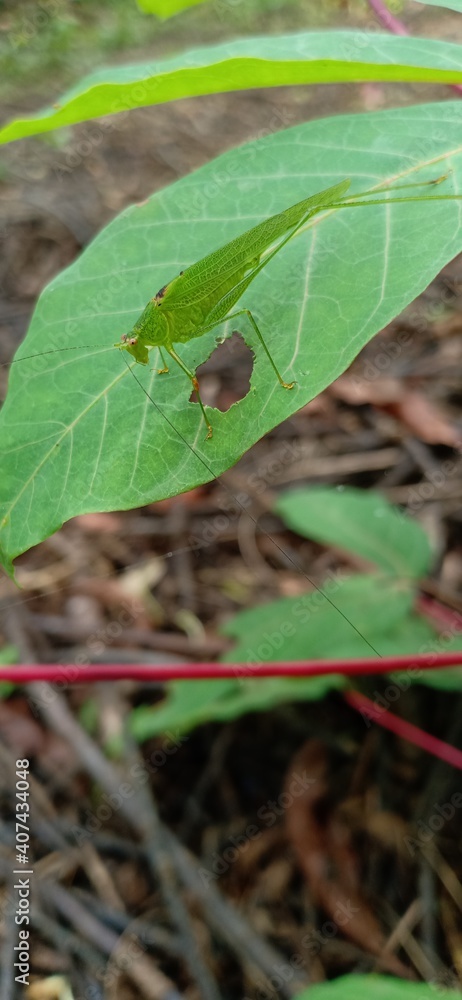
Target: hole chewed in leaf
<point x="224" y="378"/>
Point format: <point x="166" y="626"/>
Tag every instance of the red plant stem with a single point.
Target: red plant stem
<point x="444" y="617"/>
<point x="387" y="18"/>
<point x="397" y="27"/>
<point x="72" y="674"/>
<point x="405" y="730"/>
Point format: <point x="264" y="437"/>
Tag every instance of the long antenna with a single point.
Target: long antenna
<point x="56" y="350"/>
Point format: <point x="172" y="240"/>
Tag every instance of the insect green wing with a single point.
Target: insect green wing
<point x="230" y="262"/>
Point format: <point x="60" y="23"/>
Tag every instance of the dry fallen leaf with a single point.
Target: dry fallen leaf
<point x="418" y="414"/>
<point x="51" y="988"/>
<point x="321" y="840"/>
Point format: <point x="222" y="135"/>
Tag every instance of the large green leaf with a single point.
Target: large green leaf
<point x="305" y="58"/>
<point x="78" y="434"/>
<point x="376" y="988"/>
<point x="451" y="4"/>
<point x="363" y="523"/>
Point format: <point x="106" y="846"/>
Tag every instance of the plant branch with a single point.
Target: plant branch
<point x="388" y="19"/>
<point x="69" y="675"/>
<point x="403" y="729"/>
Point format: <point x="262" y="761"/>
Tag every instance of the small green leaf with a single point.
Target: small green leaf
<point x="360" y="522"/>
<point x="376" y="988"/>
<point x="311" y="627"/>
<point x="301" y="628"/>
<point x="187" y="704"/>
<point x="305" y="627"/>
<point x="286" y="60"/>
<point x="166" y="8"/>
<point x="8" y="655"/>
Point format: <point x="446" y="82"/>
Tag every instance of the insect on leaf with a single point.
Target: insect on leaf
<point x="78" y="434"/>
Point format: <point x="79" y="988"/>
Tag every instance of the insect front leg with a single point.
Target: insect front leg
<point x="165" y="369"/>
<point x="195" y="385"/>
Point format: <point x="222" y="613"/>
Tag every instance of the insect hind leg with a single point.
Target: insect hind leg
<point x="246" y="312"/>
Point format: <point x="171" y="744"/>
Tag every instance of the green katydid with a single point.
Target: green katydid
<point x="202" y="297"/>
<point x="205" y="293"/>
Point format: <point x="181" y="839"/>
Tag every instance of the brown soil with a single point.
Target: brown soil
<point x="368" y="839"/>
